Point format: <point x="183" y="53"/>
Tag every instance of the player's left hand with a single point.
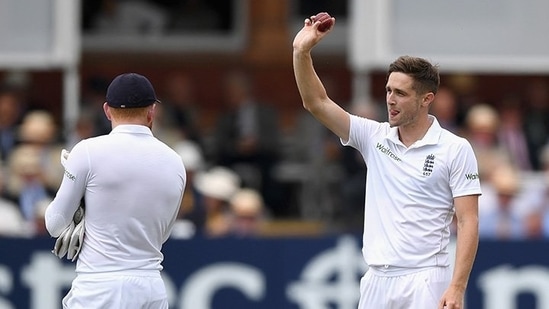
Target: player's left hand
<point x="452" y="299"/>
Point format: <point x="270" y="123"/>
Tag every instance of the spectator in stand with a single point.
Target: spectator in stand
<point x="181" y="109"/>
<point x="321" y="164"/>
<point x="500" y="216"/>
<point x="446" y="110"/>
<point x="511" y="132"/>
<point x="93" y="97"/>
<point x="544" y="224"/>
<point x="217" y="186"/>
<point x="12" y="223"/>
<point x="353" y="183"/>
<point x="191" y="215"/>
<point x="33" y="165"/>
<point x="39" y="130"/>
<point x="247" y="139"/>
<point x="481" y="130"/>
<point x="537" y="222"/>
<point x="84" y="128"/>
<point x="194" y="15"/>
<point x="26" y="184"/>
<point x="11" y="110"/>
<point x="129" y="18"/>
<point x="247" y="214"/>
<point x="536" y="225"/>
<point x="536" y="119"/>
<point x="319" y="154"/>
<point x="465" y="87"/>
<point x="39" y="226"/>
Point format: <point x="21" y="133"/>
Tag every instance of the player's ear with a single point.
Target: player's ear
<point x="151" y="112"/>
<point x="428" y="98"/>
<point x="107" y="111"/>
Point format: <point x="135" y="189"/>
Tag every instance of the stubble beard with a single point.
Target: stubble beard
<point x="403" y="119"/>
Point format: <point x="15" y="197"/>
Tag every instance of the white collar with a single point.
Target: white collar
<point x="431" y="137"/>
<point x="131" y="128"/>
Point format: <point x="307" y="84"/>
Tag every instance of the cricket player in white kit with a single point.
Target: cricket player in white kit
<point x="133" y="185"/>
<point x="419" y="176"/>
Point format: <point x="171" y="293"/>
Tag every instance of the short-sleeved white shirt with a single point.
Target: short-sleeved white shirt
<point x="133" y="185"/>
<point x="410" y="192"/>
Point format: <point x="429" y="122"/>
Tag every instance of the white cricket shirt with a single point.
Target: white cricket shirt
<point x="133" y="186"/>
<point x="410" y="191"/>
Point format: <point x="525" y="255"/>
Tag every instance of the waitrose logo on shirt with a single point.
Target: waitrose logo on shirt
<point x="472" y="176"/>
<point x="386" y="151"/>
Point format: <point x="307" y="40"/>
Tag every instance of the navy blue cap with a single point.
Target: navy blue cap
<point x="130" y="90"/>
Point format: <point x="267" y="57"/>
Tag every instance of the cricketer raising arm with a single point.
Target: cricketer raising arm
<point x="419" y="175"/>
<point x="133" y="185"/>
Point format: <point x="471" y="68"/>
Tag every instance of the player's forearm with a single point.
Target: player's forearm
<point x="59" y="215"/>
<point x="309" y="85"/>
<point x="60" y="211"/>
<point x="466" y="250"/>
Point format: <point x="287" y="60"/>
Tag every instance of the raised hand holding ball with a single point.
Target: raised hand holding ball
<point x="326" y="21"/>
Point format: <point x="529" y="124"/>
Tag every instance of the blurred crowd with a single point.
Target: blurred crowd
<point x="510" y="139"/>
<point x="249" y="178"/>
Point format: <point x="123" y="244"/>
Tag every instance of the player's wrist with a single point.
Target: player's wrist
<point x="458" y="287"/>
<point x="301" y="53"/>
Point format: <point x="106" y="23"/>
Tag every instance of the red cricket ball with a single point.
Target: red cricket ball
<point x="326" y="21"/>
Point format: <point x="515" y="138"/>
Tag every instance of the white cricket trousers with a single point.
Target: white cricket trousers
<point x="117" y="290"/>
<point x="389" y="288"/>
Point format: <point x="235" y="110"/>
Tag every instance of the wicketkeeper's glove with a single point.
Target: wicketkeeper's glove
<point x="71" y="239"/>
<point x="64" y="156"/>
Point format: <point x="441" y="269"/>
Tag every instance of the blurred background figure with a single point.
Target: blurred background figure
<point x="481" y="129"/>
<point x="217" y="186"/>
<point x="318" y="155"/>
<point x="194" y="15"/>
<point x="536" y="119"/>
<point x="93" y="97"/>
<point x="543" y="223"/>
<point x="12" y="223"/>
<point x="537" y="222"/>
<point x="39" y="130"/>
<point x="83" y="129"/>
<point x="247" y="140"/>
<point x="191" y="214"/>
<point x="466" y="88"/>
<point x="34" y="170"/>
<point x="180" y="108"/>
<point x="129" y="17"/>
<point x="446" y="110"/>
<point x="39" y="226"/>
<point x="353" y="183"/>
<point x="536" y="225"/>
<point x="315" y="164"/>
<point x="26" y="185"/>
<point x="511" y="132"/>
<point x="247" y="214"/>
<point x="499" y="215"/>
<point x="11" y="111"/>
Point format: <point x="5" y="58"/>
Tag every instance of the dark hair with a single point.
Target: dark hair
<point x="426" y="76"/>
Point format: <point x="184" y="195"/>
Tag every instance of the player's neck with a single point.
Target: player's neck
<point x="411" y="133"/>
<point x="130" y="122"/>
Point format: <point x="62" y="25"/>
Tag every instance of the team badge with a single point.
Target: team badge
<point x="428" y="165"/>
